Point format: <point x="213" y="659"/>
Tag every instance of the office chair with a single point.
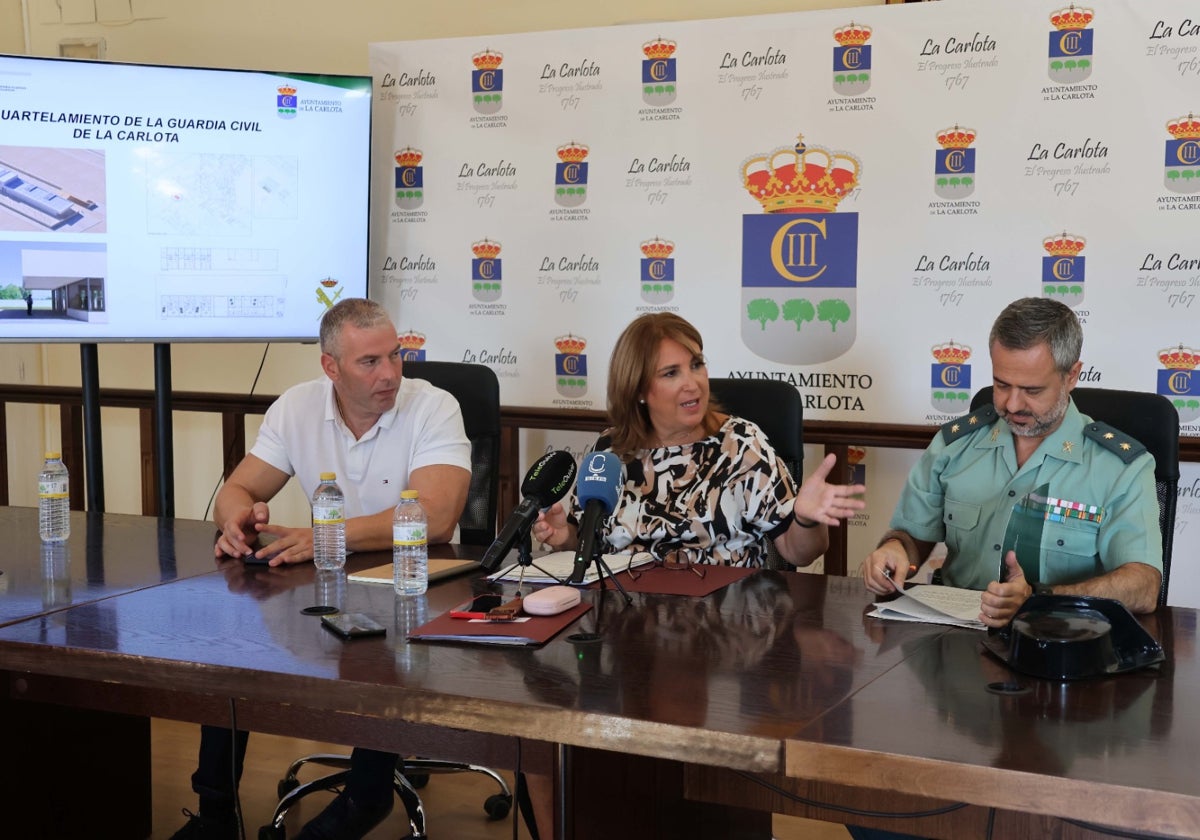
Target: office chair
<point x="478" y="393"/>
<point x="1152" y="420"/>
<point x="776" y="408"/>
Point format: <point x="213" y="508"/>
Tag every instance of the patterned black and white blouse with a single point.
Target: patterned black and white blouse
<point x="721" y="497"/>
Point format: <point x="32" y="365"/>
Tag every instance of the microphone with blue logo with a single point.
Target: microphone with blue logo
<point x="597" y="489"/>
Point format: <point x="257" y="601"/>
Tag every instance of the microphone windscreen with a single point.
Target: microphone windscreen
<point x="600" y="480"/>
<point x="549" y="479"/>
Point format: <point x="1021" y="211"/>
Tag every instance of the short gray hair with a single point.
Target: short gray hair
<point x="355" y="312"/>
<point x="1030" y="321"/>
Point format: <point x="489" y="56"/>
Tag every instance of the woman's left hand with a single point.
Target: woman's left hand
<point x="823" y="503"/>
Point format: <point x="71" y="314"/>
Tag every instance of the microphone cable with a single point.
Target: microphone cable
<point x="229" y="452"/>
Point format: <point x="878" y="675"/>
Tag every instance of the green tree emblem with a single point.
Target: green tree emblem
<point x="799" y="310"/>
<point x="835" y="311"/>
<point x="762" y="310"/>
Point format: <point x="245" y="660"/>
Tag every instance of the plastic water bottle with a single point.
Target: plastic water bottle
<point x="410" y="546"/>
<point x="329" y="524"/>
<point x="54" y="499"/>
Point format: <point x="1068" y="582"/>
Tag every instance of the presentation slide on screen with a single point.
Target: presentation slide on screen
<point x="152" y="203"/>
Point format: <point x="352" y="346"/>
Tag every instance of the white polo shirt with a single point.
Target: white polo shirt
<point x="304" y="435"/>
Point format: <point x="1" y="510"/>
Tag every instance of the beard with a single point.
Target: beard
<point x="1043" y="424"/>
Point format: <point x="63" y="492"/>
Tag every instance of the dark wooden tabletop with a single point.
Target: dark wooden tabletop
<point x="721" y="679"/>
<point x="1118" y="751"/>
<point x="778" y="673"/>
<point x="106" y="555"/>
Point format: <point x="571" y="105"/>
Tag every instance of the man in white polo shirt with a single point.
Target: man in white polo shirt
<point x="381" y="434"/>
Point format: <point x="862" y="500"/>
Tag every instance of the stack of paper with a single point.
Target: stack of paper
<point x="557" y="567"/>
<point x="934" y="605"/>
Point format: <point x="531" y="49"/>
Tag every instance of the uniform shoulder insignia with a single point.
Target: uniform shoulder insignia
<point x="1114" y="440"/>
<point x="981" y="418"/>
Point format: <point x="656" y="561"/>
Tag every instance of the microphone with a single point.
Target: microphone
<point x="547" y="481"/>
<point x="597" y="491"/>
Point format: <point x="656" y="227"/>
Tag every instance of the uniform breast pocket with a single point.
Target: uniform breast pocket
<point x="959" y="519"/>
<point x="1069" y="550"/>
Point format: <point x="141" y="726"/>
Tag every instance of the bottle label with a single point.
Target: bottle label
<point x="328" y="515"/>
<point x="406" y="535"/>
<point x="55" y="488"/>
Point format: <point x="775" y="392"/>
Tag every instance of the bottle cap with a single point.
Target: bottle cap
<point x="328" y="476"/>
<point x="50" y="455"/>
<point x="409" y="494"/>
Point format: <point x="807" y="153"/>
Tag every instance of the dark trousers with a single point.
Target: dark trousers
<point x="222" y="752"/>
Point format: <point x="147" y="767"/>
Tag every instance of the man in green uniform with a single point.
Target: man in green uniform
<point x="1086" y="490"/>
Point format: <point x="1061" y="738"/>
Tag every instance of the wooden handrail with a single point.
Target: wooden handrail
<point x="835" y="436"/>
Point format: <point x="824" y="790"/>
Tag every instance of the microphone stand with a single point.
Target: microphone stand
<point x="602" y="569"/>
<point x="525" y="560"/>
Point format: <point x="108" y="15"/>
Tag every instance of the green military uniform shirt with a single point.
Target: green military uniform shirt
<point x="964" y="487"/>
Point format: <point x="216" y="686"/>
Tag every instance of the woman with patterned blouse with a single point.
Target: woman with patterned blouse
<point x="697" y="480"/>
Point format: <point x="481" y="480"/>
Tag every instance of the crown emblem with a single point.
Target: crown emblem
<point x="486" y="250"/>
<point x="572" y="152"/>
<point x="802" y="179"/>
<point x="570" y="345"/>
<point x="411" y="340"/>
<point x="658" y="49"/>
<point x="1066" y="245"/>
<point x="409" y="157"/>
<point x="487" y="60"/>
<point x="657" y="249"/>
<point x="1071" y="18"/>
<point x="855" y="455"/>
<point x="1179" y="358"/>
<point x="329" y="282"/>
<point x="951" y="353"/>
<point x="286" y="90"/>
<point x="1184" y="128"/>
<point x="854" y="35"/>
<point x="956" y="138"/>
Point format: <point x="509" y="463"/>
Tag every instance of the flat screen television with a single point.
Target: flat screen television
<point x="164" y="204"/>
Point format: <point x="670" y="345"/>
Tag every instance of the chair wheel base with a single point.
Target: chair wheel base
<point x="497" y="806"/>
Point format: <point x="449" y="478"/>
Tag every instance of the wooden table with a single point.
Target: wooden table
<point x="52" y="758"/>
<point x="779" y="676"/>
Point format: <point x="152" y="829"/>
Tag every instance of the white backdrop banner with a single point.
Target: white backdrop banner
<point x="840" y="200"/>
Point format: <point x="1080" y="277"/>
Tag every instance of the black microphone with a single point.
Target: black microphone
<point x="547" y="481"/>
<point x="598" y="490"/>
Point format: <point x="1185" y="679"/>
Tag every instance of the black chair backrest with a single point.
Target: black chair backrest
<point x="776" y="407"/>
<point x="1152" y="420"/>
<point x="478" y="393"/>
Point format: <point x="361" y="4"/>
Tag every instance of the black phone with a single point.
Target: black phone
<point x="477" y="607"/>
<point x="353" y="625"/>
<point x="260" y="543"/>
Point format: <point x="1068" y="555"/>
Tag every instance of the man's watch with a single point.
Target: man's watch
<point x="1043" y="589"/>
